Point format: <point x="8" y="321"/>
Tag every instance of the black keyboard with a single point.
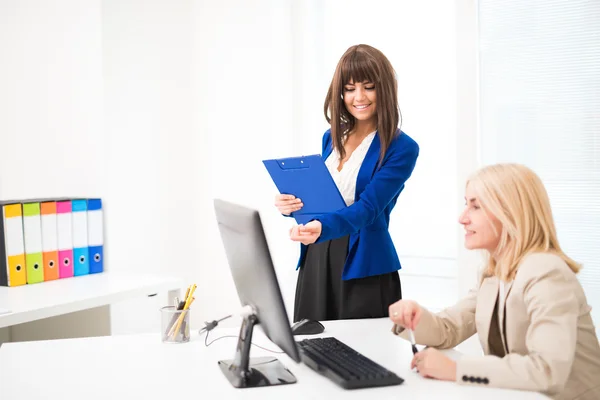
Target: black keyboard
<point x="344" y="365"/>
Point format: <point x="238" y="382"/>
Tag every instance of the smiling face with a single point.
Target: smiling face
<point x="482" y="230"/>
<point x="360" y="99"/>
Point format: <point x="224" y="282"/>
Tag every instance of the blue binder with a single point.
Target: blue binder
<point x="307" y="178"/>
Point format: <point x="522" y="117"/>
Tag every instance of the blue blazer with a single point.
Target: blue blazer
<point x="370" y="248"/>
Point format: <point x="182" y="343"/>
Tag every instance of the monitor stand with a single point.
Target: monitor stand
<point x="244" y="372"/>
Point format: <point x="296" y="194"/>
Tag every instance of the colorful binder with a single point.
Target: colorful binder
<point x="65" y="238"/>
<point x="95" y="235"/>
<point x="32" y="230"/>
<point x="81" y="264"/>
<point x="49" y="240"/>
<point x="12" y="248"/>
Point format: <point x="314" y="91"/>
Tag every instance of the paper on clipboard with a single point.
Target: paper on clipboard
<point x="307" y="178"/>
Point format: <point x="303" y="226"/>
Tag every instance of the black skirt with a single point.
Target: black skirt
<point x="321" y="294"/>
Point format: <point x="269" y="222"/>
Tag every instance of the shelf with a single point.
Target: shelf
<point x="48" y="299"/>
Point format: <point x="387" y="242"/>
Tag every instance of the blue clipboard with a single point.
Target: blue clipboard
<point x="307" y="178"/>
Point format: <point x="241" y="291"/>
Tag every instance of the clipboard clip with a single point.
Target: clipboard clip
<point x="293" y="163"/>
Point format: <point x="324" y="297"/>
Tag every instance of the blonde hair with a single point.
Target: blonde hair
<point x="516" y="196"/>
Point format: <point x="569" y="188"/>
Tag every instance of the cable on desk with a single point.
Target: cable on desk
<point x="209" y="326"/>
<point x="235" y="337"/>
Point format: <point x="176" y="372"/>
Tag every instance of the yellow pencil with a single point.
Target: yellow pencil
<point x="192" y="290"/>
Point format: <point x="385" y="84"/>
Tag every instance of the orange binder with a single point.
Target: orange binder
<point x="49" y="240"/>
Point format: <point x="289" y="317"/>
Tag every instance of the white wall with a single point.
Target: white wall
<point x="162" y="106"/>
<point x="151" y="203"/>
<point x="243" y="114"/>
<point x="51" y="110"/>
<point x="467" y="128"/>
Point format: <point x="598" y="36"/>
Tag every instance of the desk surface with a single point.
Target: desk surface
<point x="140" y="366"/>
<point x="48" y="299"/>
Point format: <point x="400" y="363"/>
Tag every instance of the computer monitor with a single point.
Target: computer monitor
<point x="257" y="286"/>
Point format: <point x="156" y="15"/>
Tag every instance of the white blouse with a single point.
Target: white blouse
<point x="345" y="179"/>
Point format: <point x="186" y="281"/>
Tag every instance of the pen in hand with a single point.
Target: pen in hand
<point x="412" y="341"/>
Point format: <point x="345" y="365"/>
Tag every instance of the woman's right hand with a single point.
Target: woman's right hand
<point x="405" y="313"/>
<point x="287" y="203"/>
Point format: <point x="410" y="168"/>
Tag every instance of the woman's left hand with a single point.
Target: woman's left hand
<point x="306" y="234"/>
<point x="431" y="363"/>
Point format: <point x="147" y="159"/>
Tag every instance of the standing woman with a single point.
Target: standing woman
<point x="348" y="263"/>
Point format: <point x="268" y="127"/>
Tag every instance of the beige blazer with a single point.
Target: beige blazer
<point x="549" y="336"/>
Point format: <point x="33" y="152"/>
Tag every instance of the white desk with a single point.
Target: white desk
<point x="140" y="366"/>
<point x="49" y="299"/>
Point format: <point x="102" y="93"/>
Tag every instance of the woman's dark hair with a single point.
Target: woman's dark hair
<point x="361" y="63"/>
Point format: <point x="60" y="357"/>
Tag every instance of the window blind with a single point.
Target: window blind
<point x="539" y="99"/>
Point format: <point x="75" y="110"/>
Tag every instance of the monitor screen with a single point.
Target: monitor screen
<point x="256" y="283"/>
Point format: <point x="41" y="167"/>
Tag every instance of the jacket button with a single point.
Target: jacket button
<point x="471" y="379"/>
<point x="486" y="380"/>
<point x="465" y="378"/>
<point x="478" y="380"/>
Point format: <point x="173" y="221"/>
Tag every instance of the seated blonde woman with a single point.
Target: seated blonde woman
<point x="529" y="310"/>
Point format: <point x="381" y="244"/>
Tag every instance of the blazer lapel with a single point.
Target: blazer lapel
<point x="365" y="173"/>
<point x="502" y="316"/>
<point x="486" y="302"/>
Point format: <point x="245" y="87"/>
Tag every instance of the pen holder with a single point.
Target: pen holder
<point x="175" y="325"/>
